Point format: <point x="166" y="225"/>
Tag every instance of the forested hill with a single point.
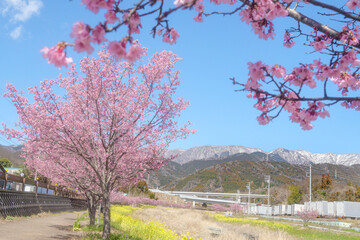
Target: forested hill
<point x="233" y="173"/>
<point x="12" y="153"/>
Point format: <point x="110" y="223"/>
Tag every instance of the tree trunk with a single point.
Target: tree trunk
<point x="92" y="203"/>
<point x="106" y="214"/>
<point x="92" y="211"/>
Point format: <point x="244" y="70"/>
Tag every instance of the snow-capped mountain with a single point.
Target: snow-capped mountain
<point x="208" y="152"/>
<point x="292" y="156"/>
<point x="304" y="157"/>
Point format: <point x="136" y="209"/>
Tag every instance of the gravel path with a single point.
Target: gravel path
<point x="56" y="226"/>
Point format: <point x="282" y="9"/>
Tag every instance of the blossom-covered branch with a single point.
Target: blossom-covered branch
<point x="331" y="28"/>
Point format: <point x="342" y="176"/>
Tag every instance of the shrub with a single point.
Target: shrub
<point x="151" y="195"/>
<point x="307" y="215"/>
<point x="295" y="195"/>
<point x="236" y="208"/>
<point x="219" y="208"/>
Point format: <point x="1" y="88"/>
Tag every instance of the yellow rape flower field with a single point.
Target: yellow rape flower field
<point x="160" y="223"/>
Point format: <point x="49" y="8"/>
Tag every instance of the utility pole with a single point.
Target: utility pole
<point x="308" y="174"/>
<point x="335" y="173"/>
<point x="267" y="179"/>
<point x="248" y="187"/>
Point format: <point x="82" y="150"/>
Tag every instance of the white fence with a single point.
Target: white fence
<point x="324" y="208"/>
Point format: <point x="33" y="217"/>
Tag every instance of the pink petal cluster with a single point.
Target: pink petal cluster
<point x="98" y="34"/>
<point x="302" y="75"/>
<point x="320" y="42"/>
<point x="81" y="33"/>
<point x="306" y="116"/>
<point x="133" y="22"/>
<point x="349" y="59"/>
<point x="217" y="2"/>
<point x="95" y="5"/>
<point x="307" y="215"/>
<point x="351" y="105"/>
<point x="235" y="208"/>
<point x="219" y="208"/>
<point x="121" y="198"/>
<point x="289" y="101"/>
<point x="199" y="7"/>
<point x="56" y="55"/>
<point x="118" y="50"/>
<point x="353" y="4"/>
<point x="346" y="81"/>
<point x="350" y="36"/>
<point x="111" y="17"/>
<point x="260" y="17"/>
<point x="170" y="36"/>
<point x="288" y="40"/>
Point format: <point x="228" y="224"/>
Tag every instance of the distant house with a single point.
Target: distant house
<point x="14" y="170"/>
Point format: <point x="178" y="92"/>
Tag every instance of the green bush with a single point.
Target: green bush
<point x="151" y="195"/>
<point x="295" y="195"/>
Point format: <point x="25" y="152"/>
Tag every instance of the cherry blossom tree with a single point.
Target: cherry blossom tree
<point x="114" y="122"/>
<point x="307" y="215"/>
<point x="331" y="28"/>
<point x="66" y="172"/>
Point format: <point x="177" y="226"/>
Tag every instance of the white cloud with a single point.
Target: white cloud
<point x="16" y="33"/>
<point x="20" y="10"/>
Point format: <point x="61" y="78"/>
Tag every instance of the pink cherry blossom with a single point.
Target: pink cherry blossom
<point x="135" y="53"/>
<point x="111" y="17"/>
<point x="82" y="38"/>
<point x="350" y="36"/>
<point x="198" y="18"/>
<point x="95" y="5"/>
<point x="263" y="119"/>
<point x="289" y="42"/>
<point x="320" y="42"/>
<point x="171" y="36"/>
<point x="98" y="34"/>
<point x="278" y="71"/>
<point x="117" y="49"/>
<point x="353" y="4"/>
<point x="256" y="70"/>
<point x="56" y="55"/>
<point x="134" y="22"/>
<point x="277" y="11"/>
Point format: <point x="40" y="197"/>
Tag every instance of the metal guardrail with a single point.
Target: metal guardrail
<point x="218" y="194"/>
<point x="194" y="196"/>
<point x="209" y="200"/>
<point x="14" y="203"/>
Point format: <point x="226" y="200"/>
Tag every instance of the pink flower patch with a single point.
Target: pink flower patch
<point x="56" y="55"/>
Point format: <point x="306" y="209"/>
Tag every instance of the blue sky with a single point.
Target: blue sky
<point x="212" y="52"/>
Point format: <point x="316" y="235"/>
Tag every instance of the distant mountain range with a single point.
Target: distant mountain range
<point x="299" y="157"/>
<point x="230" y="174"/>
<point x="12" y="153"/>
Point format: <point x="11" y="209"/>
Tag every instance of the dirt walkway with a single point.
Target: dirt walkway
<point x="56" y="226"/>
<point x="201" y="226"/>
